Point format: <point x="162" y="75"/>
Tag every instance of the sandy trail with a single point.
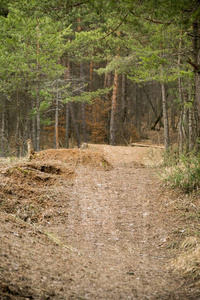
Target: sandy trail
<point x="105" y="238"/>
<point x="115" y="224"/>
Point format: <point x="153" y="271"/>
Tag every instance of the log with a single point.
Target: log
<point x="146" y="145"/>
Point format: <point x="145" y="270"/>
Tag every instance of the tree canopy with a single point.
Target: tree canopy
<point x="58" y="49"/>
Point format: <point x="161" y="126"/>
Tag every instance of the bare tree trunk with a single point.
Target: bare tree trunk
<point x="67" y="114"/>
<point x="25" y="137"/>
<point x="56" y="117"/>
<point x="33" y="126"/>
<point x="105" y="80"/>
<point x="180" y="98"/>
<point x="151" y="104"/>
<point x="30" y="149"/>
<point x="82" y="82"/>
<point x="137" y="109"/>
<point x="17" y="133"/>
<point x="78" y="140"/>
<point x="37" y="92"/>
<point x="123" y="97"/>
<point x="70" y="111"/>
<point x="158" y="119"/>
<point x="91" y="76"/>
<point x="123" y="108"/>
<point x="165" y="116"/>
<point x="3" y="130"/>
<point x="196" y="29"/>
<point x="108" y="83"/>
<point x="191" y="141"/>
<point x="83" y="105"/>
<point x="37" y="118"/>
<point x="196" y="102"/>
<point x="181" y="133"/>
<point x="67" y="126"/>
<point x="109" y="79"/>
<point x="113" y="110"/>
<point x="83" y="122"/>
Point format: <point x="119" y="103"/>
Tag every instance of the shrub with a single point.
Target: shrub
<point x="183" y="172"/>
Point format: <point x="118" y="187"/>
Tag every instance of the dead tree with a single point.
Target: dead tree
<point x="31" y="151"/>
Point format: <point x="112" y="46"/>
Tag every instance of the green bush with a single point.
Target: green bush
<point x="182" y="171"/>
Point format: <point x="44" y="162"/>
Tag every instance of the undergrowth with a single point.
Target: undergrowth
<point x="182" y="171"/>
<point x="188" y="261"/>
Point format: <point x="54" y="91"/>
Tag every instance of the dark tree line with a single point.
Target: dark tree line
<point x="101" y="72"/>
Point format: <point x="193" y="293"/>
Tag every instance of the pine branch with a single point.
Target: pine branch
<point x="115" y="29"/>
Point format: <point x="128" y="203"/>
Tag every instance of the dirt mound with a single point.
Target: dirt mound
<point x="29" y="190"/>
<point x="122" y="155"/>
<point x="75" y="157"/>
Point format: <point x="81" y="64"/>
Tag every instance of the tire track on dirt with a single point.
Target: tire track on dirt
<point x="113" y="223"/>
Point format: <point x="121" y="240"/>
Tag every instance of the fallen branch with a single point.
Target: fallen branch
<point x="146" y="145"/>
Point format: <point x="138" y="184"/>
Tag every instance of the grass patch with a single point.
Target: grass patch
<point x="188" y="262"/>
<point x="181" y="171"/>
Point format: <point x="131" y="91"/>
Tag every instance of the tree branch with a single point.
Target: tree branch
<point x="153" y="21"/>
<point x="115" y="29"/>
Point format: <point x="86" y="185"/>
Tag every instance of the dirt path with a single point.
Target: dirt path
<point x="106" y="240"/>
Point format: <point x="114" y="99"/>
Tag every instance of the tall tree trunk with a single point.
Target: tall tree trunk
<point x="123" y="107"/>
<point x="165" y="116"/>
<point x="196" y="29"/>
<point x="77" y="135"/>
<point x="91" y="76"/>
<point x="56" y="117"/>
<point x="109" y="79"/>
<point x="113" y="110"/>
<point x="67" y="114"/>
<point x="79" y="28"/>
<point x="137" y="109"/>
<point x="83" y="105"/>
<point x="33" y="127"/>
<point x="37" y="92"/>
<point x="180" y="98"/>
<point x="70" y="110"/>
<point x="196" y="102"/>
<point x="83" y="122"/>
<point x="37" y="118"/>
<point x="180" y="127"/>
<point x="105" y="80"/>
<point x="67" y="125"/>
<point x="123" y="97"/>
<point x="17" y="133"/>
<point x="191" y="142"/>
<point x="158" y="119"/>
<point x="3" y="130"/>
<point x="25" y="137"/>
<point x="150" y="102"/>
<point x="108" y="83"/>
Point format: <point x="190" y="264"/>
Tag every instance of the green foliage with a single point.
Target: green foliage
<point x="46" y="122"/>
<point x="44" y="105"/>
<point x="182" y="171"/>
<point x="138" y="38"/>
<point x="87" y="96"/>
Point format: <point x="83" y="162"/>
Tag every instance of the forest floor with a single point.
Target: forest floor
<point x="89" y="224"/>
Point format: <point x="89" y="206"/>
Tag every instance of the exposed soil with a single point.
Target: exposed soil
<point x="88" y="224"/>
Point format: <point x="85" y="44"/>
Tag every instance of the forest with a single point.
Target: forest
<point x="75" y="71"/>
<point x="100" y="149"/>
